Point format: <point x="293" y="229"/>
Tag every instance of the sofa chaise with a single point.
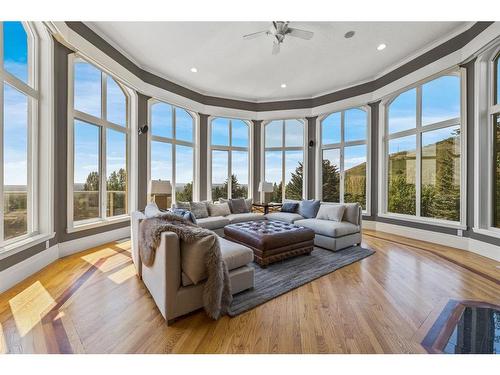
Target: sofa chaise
<point x="329" y="233"/>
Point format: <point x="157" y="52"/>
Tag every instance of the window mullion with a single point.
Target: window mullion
<point x="102" y="165"/>
<point x="341" y="147"/>
<point x="174" y="155"/>
<point x="418" y="155"/>
<point x="229" y="163"/>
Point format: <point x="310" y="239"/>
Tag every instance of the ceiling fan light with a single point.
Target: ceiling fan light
<point x="381" y="46"/>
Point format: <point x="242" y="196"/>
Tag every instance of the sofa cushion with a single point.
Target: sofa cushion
<point x="218" y="209"/>
<point x="199" y="209"/>
<point x="193" y="257"/>
<point x="351" y="213"/>
<point x="284" y="216"/>
<point x="290" y="207"/>
<point x="309" y="208"/>
<point x="333" y="212"/>
<point x="240" y="218"/>
<point x="238" y="206"/>
<point x="329" y="228"/>
<point x="213" y="222"/>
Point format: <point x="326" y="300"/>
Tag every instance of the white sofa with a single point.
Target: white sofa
<point x="217" y="223"/>
<point x="173" y="292"/>
<point x="329" y="234"/>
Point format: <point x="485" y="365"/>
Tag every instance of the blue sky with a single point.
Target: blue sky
<point x="220" y="132"/>
<point x="15" y="49"/>
<point x="355" y="126"/>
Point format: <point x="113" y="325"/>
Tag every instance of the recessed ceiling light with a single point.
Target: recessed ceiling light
<point x="283" y="85"/>
<point x="381" y="46"/>
<point x="349" y="34"/>
<point x="194" y="70"/>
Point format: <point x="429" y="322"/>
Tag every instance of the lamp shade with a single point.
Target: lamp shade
<point x="265" y="187"/>
<point x="160" y="187"/>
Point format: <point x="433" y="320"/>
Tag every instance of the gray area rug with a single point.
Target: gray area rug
<point x="281" y="277"/>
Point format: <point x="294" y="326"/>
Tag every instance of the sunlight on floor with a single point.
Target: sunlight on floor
<point x="122" y="275"/>
<point x="112" y="259"/>
<point x="29" y="307"/>
<point x="3" y="343"/>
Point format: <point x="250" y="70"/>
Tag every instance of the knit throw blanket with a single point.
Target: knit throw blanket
<point x="217" y="295"/>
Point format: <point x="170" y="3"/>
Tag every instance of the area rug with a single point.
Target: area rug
<point x="281" y="277"/>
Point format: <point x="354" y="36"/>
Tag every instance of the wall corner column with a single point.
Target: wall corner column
<point x="311" y="157"/>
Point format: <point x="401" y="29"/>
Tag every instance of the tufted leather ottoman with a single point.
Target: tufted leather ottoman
<point x="270" y="240"/>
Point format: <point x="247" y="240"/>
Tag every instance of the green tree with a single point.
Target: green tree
<point x="237" y="190"/>
<point x="293" y="189"/>
<point x="186" y="194"/>
<point x="117" y="181"/>
<point x="331" y="181"/>
<point x="92" y="182"/>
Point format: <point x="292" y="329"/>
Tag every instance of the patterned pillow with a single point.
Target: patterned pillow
<point x="290" y="207"/>
<point x="219" y="209"/>
<point x="188" y="215"/>
<point x="183" y="205"/>
<point x="238" y="206"/>
<point x="199" y="209"/>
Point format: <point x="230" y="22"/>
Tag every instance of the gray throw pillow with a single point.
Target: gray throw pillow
<point x="238" y="206"/>
<point x="186" y="214"/>
<point x="249" y="202"/>
<point x="199" y="209"/>
<point x="219" y="209"/>
<point x="309" y="208"/>
<point x="183" y="205"/>
<point x="332" y="212"/>
<point x="351" y="213"/>
<point x="290" y="207"/>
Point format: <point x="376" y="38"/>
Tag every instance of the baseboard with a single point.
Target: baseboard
<point x="20" y="271"/>
<point x="463" y="243"/>
<point x="84" y="243"/>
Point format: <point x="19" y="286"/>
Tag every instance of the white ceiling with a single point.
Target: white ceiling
<point x="229" y="66"/>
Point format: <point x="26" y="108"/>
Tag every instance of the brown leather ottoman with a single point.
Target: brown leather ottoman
<point x="271" y="240"/>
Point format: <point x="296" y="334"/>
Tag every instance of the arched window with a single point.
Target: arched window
<point x="99" y="137"/>
<point x="344" y="156"/>
<point x="171" y="151"/>
<point x="284" y="159"/>
<point x="423" y="150"/>
<point x="230" y="161"/>
<point x="19" y="98"/>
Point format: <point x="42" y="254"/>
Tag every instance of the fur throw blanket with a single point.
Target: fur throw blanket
<point x="217" y="295"/>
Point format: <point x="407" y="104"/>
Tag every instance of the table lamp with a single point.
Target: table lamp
<point x="161" y="193"/>
<point x="267" y="189"/>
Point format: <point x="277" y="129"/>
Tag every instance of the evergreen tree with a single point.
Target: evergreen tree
<point x="186" y="194"/>
<point x="331" y="182"/>
<point x="92" y="183"/>
<point x="293" y="189"/>
<point x="117" y="181"/>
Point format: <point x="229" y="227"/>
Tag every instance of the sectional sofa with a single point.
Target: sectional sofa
<point x="336" y="226"/>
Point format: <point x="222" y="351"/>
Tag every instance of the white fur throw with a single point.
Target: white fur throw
<point x="217" y="295"/>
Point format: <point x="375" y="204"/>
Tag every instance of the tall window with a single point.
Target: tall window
<point x="423" y="146"/>
<point x="495" y="113"/>
<point x="344" y="156"/>
<point x="284" y="158"/>
<point x="100" y="137"/>
<point x="18" y="122"/>
<point x="230" y="158"/>
<point x="172" y="155"/>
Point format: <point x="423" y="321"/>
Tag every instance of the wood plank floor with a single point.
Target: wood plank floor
<point x="92" y="302"/>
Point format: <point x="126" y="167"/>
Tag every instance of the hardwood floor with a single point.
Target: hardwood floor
<point x="92" y="302"/>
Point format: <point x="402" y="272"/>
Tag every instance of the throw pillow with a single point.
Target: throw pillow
<point x="332" y="212"/>
<point x="199" y="209"/>
<point x="193" y="256"/>
<point x="238" y="206"/>
<point x="290" y="207"/>
<point x="249" y="202"/>
<point x="186" y="214"/>
<point x="309" y="208"/>
<point x="351" y="213"/>
<point x="183" y="205"/>
<point x="151" y="210"/>
<point x="219" y="209"/>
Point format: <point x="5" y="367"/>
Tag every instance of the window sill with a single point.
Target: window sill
<point x="24" y="244"/>
<point x="97" y="223"/>
<point x="490" y="232"/>
<point x="439" y="223"/>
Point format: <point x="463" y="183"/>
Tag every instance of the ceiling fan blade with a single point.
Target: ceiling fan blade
<point x="298" y="33"/>
<point x="276" y="48"/>
<point x="255" y="35"/>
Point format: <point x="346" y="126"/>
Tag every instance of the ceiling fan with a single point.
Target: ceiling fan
<point x="278" y="30"/>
